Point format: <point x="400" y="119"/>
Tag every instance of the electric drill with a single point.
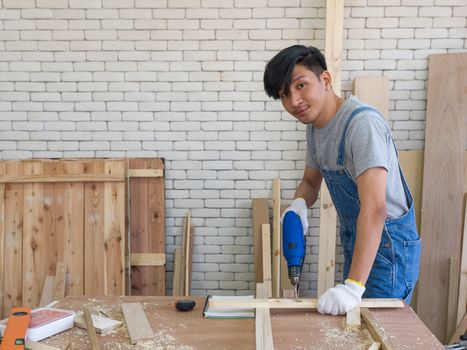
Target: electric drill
<point x="293" y="246"/>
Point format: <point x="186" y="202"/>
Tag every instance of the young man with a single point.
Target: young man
<point x="349" y="144"/>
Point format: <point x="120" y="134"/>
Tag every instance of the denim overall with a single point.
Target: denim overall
<point x="396" y="266"/>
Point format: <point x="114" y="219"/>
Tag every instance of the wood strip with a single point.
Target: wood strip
<point x="47" y="291"/>
<point x="333" y="41"/>
<point x="374" y="346"/>
<point x="147" y="259"/>
<point x="145" y="173"/>
<point x="461" y="329"/>
<point x="176" y="279"/>
<point x="260" y="208"/>
<point x="59" y="281"/>
<point x="91" y="330"/>
<point x="266" y="244"/>
<point x="374" y="90"/>
<point x="285" y="280"/>
<point x="2" y="239"/>
<point x="137" y="323"/>
<point x="301" y="303"/>
<point x="462" y="304"/>
<point x="13" y="221"/>
<point x="451" y="318"/>
<point x="187" y="255"/>
<point x="352" y="319"/>
<point x="276" y="237"/>
<point x="375" y="331"/>
<point x="441" y="229"/>
<point x="33" y="345"/>
<point x="62" y="178"/>
<point x="264" y="339"/>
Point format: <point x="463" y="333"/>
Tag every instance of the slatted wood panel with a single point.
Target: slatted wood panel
<point x="443" y="182"/>
<point x="75" y="220"/>
<point x="147" y="226"/>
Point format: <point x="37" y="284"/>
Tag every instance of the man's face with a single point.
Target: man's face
<point x="306" y="95"/>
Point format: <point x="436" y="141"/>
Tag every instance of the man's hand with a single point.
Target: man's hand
<point x="299" y="207"/>
<point x="341" y="298"/>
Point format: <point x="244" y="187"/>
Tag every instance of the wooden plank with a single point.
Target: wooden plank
<point x="147" y="259"/>
<point x="276" y="237"/>
<point x="177" y="278"/>
<point x="285" y="280"/>
<point x="62" y="178"/>
<point x="375" y="331"/>
<point x="462" y="304"/>
<point x="101" y="324"/>
<point x="137" y="323"/>
<point x="145" y="173"/>
<point x="266" y="244"/>
<point x="460" y="330"/>
<point x="91" y="330"/>
<point x="260" y="207"/>
<point x="301" y="303"/>
<point x="375" y="346"/>
<point x="442" y="205"/>
<point x="33" y="345"/>
<point x="374" y="90"/>
<point x="59" y="281"/>
<point x="453" y="277"/>
<point x="333" y="41"/>
<point x="47" y="295"/>
<point x="2" y="237"/>
<point x="187" y="255"/>
<point x="352" y="319"/>
<point x="114" y="230"/>
<point x="264" y="339"/>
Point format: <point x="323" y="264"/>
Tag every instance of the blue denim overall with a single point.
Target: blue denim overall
<point x="397" y="263"/>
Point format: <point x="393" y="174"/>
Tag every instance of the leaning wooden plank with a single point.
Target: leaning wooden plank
<point x="276" y="238"/>
<point x="266" y="244"/>
<point x="187" y="255"/>
<point x="461" y="329"/>
<point x="33" y="345"/>
<point x="441" y="229"/>
<point x="301" y="303"/>
<point x="260" y="216"/>
<point x="334" y="36"/>
<point x="462" y="305"/>
<point x="264" y="339"/>
<point x="451" y="318"/>
<point x="59" y="281"/>
<point x="137" y="323"/>
<point x="374" y="90"/>
<point x="147" y="259"/>
<point x="145" y="172"/>
<point x="374" y="330"/>
<point x="177" y="273"/>
<point x="91" y="330"/>
<point x="47" y="291"/>
<point x="2" y="236"/>
<point x="285" y="280"/>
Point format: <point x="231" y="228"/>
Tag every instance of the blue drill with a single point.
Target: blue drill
<point x="293" y="246"/>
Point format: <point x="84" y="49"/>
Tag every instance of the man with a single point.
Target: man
<point x="349" y="144"/>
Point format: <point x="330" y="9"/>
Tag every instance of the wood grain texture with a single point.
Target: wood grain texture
<point x="443" y="182"/>
<point x="137" y="323"/>
<point x="462" y="304"/>
<point x="91" y="330"/>
<point x="59" y="281"/>
<point x="264" y="339"/>
<point x="47" y="295"/>
<point x="373" y="90"/>
<point x="260" y="208"/>
<point x="2" y="237"/>
<point x="177" y="274"/>
<point x="266" y="244"/>
<point x="334" y="36"/>
<point x="451" y="317"/>
<point x="276" y="238"/>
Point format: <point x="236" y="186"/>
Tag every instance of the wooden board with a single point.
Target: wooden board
<point x="147" y="224"/>
<point x="276" y="238"/>
<point x="177" y="274"/>
<point x="443" y="182"/>
<point x="263" y="328"/>
<point x="91" y="330"/>
<point x="462" y="304"/>
<point x="266" y="244"/>
<point x="460" y="330"/>
<point x="260" y="207"/>
<point x="292" y="329"/>
<point x="374" y="90"/>
<point x="47" y="291"/>
<point x="59" y="281"/>
<point x="137" y="323"/>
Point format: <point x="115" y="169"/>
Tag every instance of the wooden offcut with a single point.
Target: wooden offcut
<point x="264" y="339"/>
<point x="91" y="330"/>
<point x="266" y="244"/>
<point x="374" y="330"/>
<point x="443" y="184"/>
<point x="178" y="273"/>
<point x="276" y="237"/>
<point x="147" y="223"/>
<point x="137" y="323"/>
<point x="187" y="254"/>
<point x="353" y="317"/>
<point x="260" y="208"/>
<point x="373" y="90"/>
<point x="47" y="294"/>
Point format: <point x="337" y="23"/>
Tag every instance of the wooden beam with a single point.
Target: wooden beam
<point x="187" y="255"/>
<point x="264" y="339"/>
<point x="333" y="41"/>
<point x="374" y="90"/>
<point x="91" y="330"/>
<point x="136" y="322"/>
<point x="260" y="207"/>
<point x="374" y="330"/>
<point x="62" y="178"/>
<point x="266" y="244"/>
<point x="146" y="259"/>
<point x="177" y="273"/>
<point x="145" y="172"/>
<point x="276" y="237"/>
<point x="453" y="280"/>
<point x="59" y="281"/>
<point x="462" y="304"/>
<point x="300" y="303"/>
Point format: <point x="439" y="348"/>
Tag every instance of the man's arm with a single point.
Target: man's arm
<point x="309" y="187"/>
<point x="372" y="195"/>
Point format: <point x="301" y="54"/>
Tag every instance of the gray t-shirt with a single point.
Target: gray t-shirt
<point x="368" y="144"/>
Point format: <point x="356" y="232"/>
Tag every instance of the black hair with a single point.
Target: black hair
<point x="278" y="73"/>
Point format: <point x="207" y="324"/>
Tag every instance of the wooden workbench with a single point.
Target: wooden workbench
<point x="292" y="329"/>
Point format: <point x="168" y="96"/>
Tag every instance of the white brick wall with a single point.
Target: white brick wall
<point x="182" y="79"/>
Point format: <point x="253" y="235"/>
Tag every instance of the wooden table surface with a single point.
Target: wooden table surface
<point x="292" y="329"/>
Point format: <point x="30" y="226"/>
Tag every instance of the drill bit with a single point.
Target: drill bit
<point x="295" y="292"/>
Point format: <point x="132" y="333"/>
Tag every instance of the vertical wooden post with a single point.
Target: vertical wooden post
<point x="276" y="237"/>
<point x="266" y="244"/>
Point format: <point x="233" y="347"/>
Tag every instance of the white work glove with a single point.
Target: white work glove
<point x="299" y="207"/>
<point x="341" y="298"/>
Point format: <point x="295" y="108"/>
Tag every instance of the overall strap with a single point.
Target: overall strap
<point x="341" y="151"/>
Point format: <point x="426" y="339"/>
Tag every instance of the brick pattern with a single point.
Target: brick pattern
<point x="182" y="79"/>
